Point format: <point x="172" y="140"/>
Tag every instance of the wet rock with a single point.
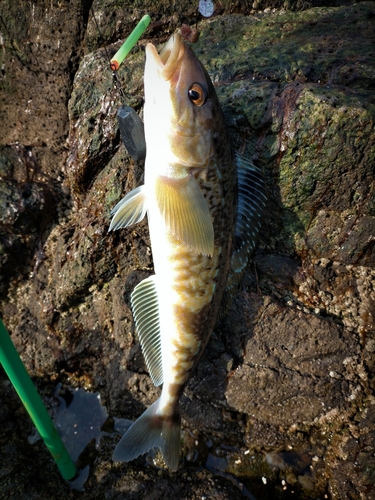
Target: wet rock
<point x="282" y="401"/>
<point x="299" y="375"/>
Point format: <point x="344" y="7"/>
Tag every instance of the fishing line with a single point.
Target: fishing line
<point x="116" y="82"/>
<point x="130" y="124"/>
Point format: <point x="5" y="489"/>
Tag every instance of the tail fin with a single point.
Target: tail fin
<point x="151" y="431"/>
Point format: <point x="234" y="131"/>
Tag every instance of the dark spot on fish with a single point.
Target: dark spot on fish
<point x="172" y="419"/>
<point x="193" y="323"/>
<point x="176" y="390"/>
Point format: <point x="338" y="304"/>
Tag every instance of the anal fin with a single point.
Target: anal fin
<point x="145" y="306"/>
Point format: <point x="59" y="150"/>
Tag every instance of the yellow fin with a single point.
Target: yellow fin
<point x="186" y="212"/>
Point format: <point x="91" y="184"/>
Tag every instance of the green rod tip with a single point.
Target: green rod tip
<point x="129" y="43"/>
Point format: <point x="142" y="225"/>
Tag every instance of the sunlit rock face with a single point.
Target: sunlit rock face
<point x="282" y="399"/>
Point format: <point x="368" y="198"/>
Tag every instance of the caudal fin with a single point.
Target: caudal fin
<point x="151" y="430"/>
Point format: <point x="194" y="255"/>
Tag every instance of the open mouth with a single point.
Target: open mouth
<point x="169" y="57"/>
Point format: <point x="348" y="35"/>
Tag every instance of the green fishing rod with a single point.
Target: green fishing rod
<point x="129" y="43"/>
<point x="31" y="400"/>
<point x="130" y="125"/>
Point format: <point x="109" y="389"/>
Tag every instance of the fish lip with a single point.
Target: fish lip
<point x="169" y="57"/>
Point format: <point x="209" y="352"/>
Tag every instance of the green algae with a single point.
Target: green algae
<point x="320" y="44"/>
<point x="300" y="87"/>
<point x="328" y="135"/>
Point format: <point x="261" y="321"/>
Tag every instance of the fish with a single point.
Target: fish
<point x="204" y="208"/>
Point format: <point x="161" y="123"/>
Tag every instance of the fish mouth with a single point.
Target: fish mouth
<point x="169" y="58"/>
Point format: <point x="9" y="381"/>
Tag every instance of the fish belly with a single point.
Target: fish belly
<point x="186" y="284"/>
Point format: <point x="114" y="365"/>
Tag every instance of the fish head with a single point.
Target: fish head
<point x="181" y="108"/>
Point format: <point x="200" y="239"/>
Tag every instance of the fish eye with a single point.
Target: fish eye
<point x="197" y="94"/>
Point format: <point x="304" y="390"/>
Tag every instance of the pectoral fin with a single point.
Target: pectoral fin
<point x="130" y="210"/>
<point x="186" y="212"/>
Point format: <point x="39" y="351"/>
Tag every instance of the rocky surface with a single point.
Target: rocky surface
<point x="282" y="401"/>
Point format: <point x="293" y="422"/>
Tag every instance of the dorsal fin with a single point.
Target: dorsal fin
<point x="145" y="306"/>
<point x="251" y="204"/>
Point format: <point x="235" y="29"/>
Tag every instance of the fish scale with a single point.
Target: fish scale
<point x="192" y="284"/>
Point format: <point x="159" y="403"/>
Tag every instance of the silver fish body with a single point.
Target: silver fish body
<point x="190" y="196"/>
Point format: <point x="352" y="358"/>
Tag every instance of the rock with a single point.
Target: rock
<point x="297" y="376"/>
<point x="282" y="400"/>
